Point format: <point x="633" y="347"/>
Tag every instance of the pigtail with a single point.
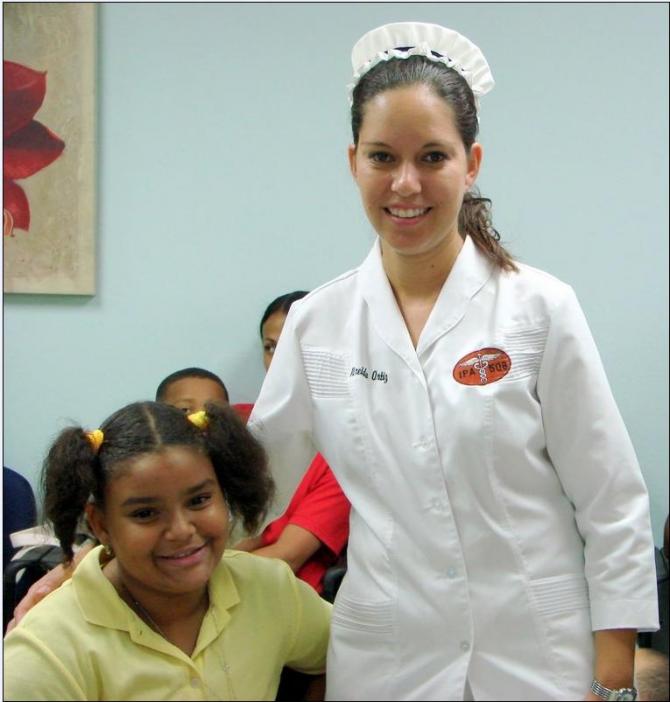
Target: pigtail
<point x="474" y="220"/>
<point x="68" y="479"/>
<point x="240" y="464"/>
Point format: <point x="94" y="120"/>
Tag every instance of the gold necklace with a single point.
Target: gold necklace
<point x="143" y="614"/>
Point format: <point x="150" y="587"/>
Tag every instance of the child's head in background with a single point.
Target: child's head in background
<point x="272" y="322"/>
<point x="191" y="388"/>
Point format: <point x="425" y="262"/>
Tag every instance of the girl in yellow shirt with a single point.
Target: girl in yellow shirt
<point x="158" y="611"/>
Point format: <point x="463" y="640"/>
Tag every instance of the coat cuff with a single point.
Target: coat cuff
<point x="624" y="614"/>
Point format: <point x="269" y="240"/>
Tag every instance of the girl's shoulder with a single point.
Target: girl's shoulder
<point x="76" y="603"/>
<point x="57" y="607"/>
<point x="247" y="568"/>
<point x="248" y="577"/>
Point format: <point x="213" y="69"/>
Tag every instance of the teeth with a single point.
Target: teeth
<point x="184" y="553"/>
<point x="407" y="214"/>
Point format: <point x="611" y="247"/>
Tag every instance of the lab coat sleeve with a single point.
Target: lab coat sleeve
<point x="282" y="416"/>
<point x="595" y="461"/>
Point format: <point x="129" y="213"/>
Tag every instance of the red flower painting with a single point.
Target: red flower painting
<point x="28" y="145"/>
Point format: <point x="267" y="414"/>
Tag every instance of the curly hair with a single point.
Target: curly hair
<point x="475" y="214"/>
<point x="73" y="472"/>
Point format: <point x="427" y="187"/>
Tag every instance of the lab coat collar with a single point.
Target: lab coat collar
<point x="470" y="272"/>
<point x="385" y="314"/>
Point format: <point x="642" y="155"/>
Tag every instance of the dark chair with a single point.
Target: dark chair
<point x="18" y="509"/>
<point x="332" y="581"/>
<point x="333" y="577"/>
<point x="22" y="572"/>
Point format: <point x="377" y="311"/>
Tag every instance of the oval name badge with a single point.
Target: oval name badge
<point x="482" y="367"/>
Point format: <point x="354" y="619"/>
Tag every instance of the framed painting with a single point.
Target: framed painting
<point x="49" y="182"/>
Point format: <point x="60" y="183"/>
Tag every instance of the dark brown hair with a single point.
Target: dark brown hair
<point x="281" y="304"/>
<point x="475" y="214"/>
<point x="162" y="389"/>
<point x="73" y="472"/>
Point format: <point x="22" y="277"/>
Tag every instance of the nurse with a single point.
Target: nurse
<point x="500" y="544"/>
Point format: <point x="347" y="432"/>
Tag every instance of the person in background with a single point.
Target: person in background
<point x="158" y="610"/>
<point x="500" y="543"/>
<point x="313" y="531"/>
<point x="19" y="510"/>
<point x="190" y="388"/>
<point x="272" y="322"/>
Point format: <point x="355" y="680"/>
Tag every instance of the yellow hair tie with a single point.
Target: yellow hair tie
<point x="95" y="438"/>
<point x="200" y="419"/>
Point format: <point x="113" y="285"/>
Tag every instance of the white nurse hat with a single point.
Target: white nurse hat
<point x="404" y="39"/>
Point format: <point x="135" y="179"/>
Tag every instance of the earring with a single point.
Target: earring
<point x="109" y="551"/>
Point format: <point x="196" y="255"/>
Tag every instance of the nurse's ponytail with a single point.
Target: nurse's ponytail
<point x="474" y="219"/>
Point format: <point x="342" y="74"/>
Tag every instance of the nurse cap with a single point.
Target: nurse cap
<point x="420" y="38"/>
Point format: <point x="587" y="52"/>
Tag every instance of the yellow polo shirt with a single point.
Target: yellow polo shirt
<point x="83" y="642"/>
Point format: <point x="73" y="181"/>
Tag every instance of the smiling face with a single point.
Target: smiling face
<point x="166" y="519"/>
<point x="412" y="170"/>
<point x="271" y="330"/>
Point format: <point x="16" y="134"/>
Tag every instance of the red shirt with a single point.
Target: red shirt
<point x="318" y="505"/>
<point x="243" y="409"/>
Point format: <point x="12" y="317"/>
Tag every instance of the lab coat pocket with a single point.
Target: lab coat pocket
<point x="326" y="373"/>
<point x="562" y="603"/>
<point x="362" y="643"/>
<point x="375" y="618"/>
<point x="336" y="430"/>
<point x="560" y="594"/>
<point x="524" y="346"/>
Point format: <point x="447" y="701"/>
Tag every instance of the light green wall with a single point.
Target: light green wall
<point x="223" y="182"/>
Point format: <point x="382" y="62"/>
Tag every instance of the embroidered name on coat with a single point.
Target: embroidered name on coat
<point x="380" y="376"/>
<point x="482" y="367"/>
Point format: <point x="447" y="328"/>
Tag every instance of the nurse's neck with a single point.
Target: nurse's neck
<point x="420" y="276"/>
<point x="417" y="279"/>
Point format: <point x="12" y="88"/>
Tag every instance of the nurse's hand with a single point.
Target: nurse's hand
<point x="46" y="584"/>
<point x="614" y="660"/>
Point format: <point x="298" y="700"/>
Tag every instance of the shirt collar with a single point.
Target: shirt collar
<point x="101" y="605"/>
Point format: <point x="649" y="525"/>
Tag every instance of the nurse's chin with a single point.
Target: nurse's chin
<point x="405" y="245"/>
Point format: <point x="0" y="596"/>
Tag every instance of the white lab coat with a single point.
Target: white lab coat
<point x="493" y="525"/>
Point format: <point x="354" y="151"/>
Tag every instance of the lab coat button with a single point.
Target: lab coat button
<point x="435" y="503"/>
<point x="465" y="645"/>
<point x="451" y="572"/>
